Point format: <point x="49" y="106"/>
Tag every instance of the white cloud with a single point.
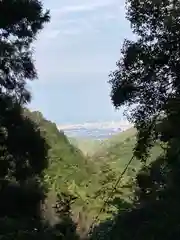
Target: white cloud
<point x="65" y="23"/>
<point x="78" y="43"/>
<point x="52" y="34"/>
<point x="89" y="6"/>
<point x="71" y="31"/>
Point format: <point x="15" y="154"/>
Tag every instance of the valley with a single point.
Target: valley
<point x="77" y="176"/>
<point x="87" y="169"/>
<point x="101" y="180"/>
<point x="89" y="137"/>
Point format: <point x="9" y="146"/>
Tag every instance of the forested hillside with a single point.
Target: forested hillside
<point x="68" y="171"/>
<point x="82" y="177"/>
<point x="76" y="183"/>
<point x="128" y="187"/>
<point x="65" y="160"/>
<point x="87" y="180"/>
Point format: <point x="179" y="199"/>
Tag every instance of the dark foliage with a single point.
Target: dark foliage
<point x="20" y="21"/>
<point x="147" y="79"/>
<point x="23" y="158"/>
<point x="23" y="193"/>
<point x="23" y="147"/>
<point x="147" y="76"/>
<point x="23" y="152"/>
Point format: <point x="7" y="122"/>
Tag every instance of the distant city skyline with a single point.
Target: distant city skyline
<point x="95" y="130"/>
<point x="103" y="125"/>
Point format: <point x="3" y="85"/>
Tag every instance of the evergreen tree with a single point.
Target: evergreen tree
<point x="20" y="21"/>
<point x="147" y="77"/>
<point x="23" y="150"/>
<point x="147" y="80"/>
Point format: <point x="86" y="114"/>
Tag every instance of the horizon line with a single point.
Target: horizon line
<point x="104" y="124"/>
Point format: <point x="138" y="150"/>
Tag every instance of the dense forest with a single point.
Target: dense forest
<point x="128" y="186"/>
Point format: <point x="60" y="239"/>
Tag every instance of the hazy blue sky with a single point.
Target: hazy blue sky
<point x="74" y="55"/>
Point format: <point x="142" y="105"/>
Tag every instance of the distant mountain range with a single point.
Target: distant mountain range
<point x="95" y="130"/>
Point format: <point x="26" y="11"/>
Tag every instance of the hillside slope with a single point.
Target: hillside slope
<point x="91" y="178"/>
<point x="67" y="164"/>
<point x="92" y="146"/>
<point x="87" y="146"/>
<point x="118" y="150"/>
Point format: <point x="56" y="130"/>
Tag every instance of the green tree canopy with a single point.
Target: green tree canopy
<point x="147" y="80"/>
<point x="147" y="77"/>
<point x="20" y="21"/>
<point x="23" y="150"/>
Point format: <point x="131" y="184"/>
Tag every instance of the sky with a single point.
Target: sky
<point x="74" y="55"/>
